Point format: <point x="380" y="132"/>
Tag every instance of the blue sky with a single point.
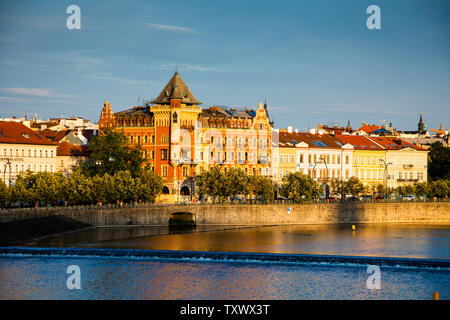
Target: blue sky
<point x="314" y="61"/>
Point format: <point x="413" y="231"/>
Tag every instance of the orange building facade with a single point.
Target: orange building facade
<point x="180" y="139"/>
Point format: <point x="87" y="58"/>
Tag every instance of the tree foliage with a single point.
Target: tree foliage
<point x="110" y="152"/>
<point x="438" y="162"/>
<point x="299" y="187"/>
<point x="52" y="188"/>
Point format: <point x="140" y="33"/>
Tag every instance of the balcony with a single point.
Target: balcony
<point x="407" y="166"/>
<point x="407" y="180"/>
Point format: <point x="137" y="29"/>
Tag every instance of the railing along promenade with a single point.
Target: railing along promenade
<point x="235" y="202"/>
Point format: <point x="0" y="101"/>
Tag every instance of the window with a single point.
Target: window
<point x="185" y="171"/>
<point x="301" y="158"/>
<point x="163" y="154"/>
<point x="145" y="139"/>
<point x="346" y="159"/>
<point x="292" y="158"/>
<point x="164" y="171"/>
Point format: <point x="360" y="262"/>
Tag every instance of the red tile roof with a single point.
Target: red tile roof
<point x="67" y="149"/>
<point x="359" y="142"/>
<point x="15" y="132"/>
<point x="54" y="135"/>
<point x="324" y="141"/>
<point x="395" y="144"/>
<point x="369" y="128"/>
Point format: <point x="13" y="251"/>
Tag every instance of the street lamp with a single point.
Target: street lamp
<point x="385" y="175"/>
<point x="7" y="163"/>
<point x="326" y="166"/>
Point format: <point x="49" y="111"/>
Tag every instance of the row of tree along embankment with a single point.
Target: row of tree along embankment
<point x="227" y="214"/>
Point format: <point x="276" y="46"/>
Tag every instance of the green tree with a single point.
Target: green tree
<point x="236" y="182"/>
<point x="339" y="187"/>
<point x="421" y="189"/>
<point x="150" y="185"/>
<point x="299" y="187"/>
<point x="438" y="189"/>
<point x="354" y="186"/>
<point x="262" y="187"/>
<point x="78" y="188"/>
<point x="213" y="183"/>
<point x="99" y="189"/>
<point x="48" y="187"/>
<point x="438" y="162"/>
<point x="380" y="189"/>
<point x="4" y="194"/>
<point x="110" y="152"/>
<point x="23" y="189"/>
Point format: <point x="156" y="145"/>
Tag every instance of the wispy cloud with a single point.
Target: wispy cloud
<point x="171" y="28"/>
<point x="36" y="92"/>
<point x="35" y="100"/>
<point x="111" y="77"/>
<point x="170" y="66"/>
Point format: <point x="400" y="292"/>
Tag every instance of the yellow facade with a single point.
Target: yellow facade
<point x="283" y="162"/>
<point x="368" y="166"/>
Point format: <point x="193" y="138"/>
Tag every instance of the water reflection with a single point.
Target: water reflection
<point x="396" y="240"/>
<point x="44" y="278"/>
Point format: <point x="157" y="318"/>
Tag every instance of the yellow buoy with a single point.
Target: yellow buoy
<point x="353" y="227"/>
<point x="435" y="295"/>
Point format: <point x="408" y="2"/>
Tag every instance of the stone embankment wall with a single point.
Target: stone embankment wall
<point x="408" y="212"/>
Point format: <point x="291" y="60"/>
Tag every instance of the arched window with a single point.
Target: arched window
<point x="165" y="190"/>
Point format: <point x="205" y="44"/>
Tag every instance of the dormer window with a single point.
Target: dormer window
<point x="25" y="136"/>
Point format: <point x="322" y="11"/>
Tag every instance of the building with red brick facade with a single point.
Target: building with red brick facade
<point x="180" y="139"/>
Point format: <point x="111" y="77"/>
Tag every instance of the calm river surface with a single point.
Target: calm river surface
<point x="130" y="277"/>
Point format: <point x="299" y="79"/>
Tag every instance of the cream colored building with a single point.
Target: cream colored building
<point x="320" y="156"/>
<point x="23" y="149"/>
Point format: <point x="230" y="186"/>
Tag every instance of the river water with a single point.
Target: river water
<point x="139" y="275"/>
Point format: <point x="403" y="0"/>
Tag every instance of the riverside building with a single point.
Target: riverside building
<point x="179" y="138"/>
<point x="320" y="156"/>
<point x="23" y="149"/>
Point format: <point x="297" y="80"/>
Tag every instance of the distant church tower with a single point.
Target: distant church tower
<point x="420" y="126"/>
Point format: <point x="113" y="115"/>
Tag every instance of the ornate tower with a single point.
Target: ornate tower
<point x="106" y="117"/>
<point x="420" y="126"/>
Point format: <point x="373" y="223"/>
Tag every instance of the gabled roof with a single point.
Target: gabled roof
<point x="15" y="132"/>
<point x="67" y="149"/>
<point x="176" y="89"/>
<point x="54" y="135"/>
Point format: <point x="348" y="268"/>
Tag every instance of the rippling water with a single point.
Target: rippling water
<point x="31" y="276"/>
